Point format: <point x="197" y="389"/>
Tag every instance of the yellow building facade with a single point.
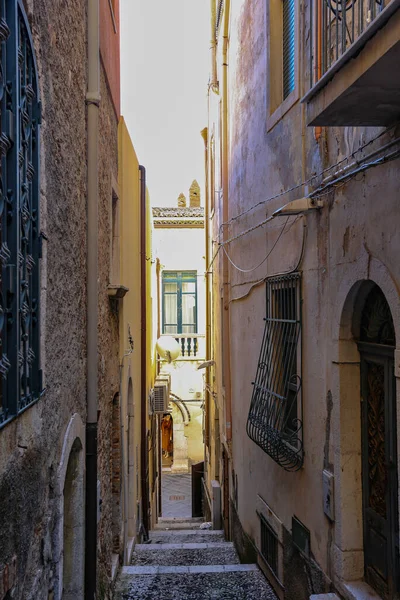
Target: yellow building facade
<point x="136" y="364"/>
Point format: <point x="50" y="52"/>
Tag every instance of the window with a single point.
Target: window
<point x="179" y="302"/>
<point x="20" y="377"/>
<point x="115" y="240"/>
<point x="282" y="58"/>
<point x="274" y="421"/>
<point x="269" y="545"/>
<point x="288" y="48"/>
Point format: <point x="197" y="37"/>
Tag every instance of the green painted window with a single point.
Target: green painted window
<point x="179" y="302"/>
<point x="288" y="47"/>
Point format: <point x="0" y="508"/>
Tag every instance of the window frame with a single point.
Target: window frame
<point x="277" y="105"/>
<point x="180" y="278"/>
<point x="20" y="254"/>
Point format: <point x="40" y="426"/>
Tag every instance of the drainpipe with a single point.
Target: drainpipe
<point x="214" y="79"/>
<point x="93" y="102"/>
<point x="204" y="135"/>
<point x="225" y="217"/>
<point x="124" y="440"/>
<point x="143" y="345"/>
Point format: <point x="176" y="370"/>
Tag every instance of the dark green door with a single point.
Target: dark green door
<point x="379" y="469"/>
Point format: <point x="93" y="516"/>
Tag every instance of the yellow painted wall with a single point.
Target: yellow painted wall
<point x="130" y="320"/>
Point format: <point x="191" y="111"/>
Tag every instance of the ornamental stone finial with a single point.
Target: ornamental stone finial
<point x="194" y="194"/>
<point x="181" y="201"/>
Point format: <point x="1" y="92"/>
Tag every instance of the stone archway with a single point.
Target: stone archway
<point x="348" y="550"/>
<point x="181" y="461"/>
<point x="73" y="530"/>
<point x="69" y="542"/>
<point x="116" y="474"/>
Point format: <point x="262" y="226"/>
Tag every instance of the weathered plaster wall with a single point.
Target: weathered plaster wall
<point x="357" y="226"/>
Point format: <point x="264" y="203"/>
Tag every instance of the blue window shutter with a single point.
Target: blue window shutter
<point x="288" y="47"/>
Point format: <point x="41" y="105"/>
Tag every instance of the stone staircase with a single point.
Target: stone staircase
<point x="184" y="562"/>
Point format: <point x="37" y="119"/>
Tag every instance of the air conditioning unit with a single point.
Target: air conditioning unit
<point x="151" y="403"/>
<point x="165" y="379"/>
<point x="161" y="398"/>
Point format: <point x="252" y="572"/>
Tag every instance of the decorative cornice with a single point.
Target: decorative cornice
<point x="180" y="217"/>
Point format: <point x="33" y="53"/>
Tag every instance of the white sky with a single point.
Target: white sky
<point x="164" y="73"/>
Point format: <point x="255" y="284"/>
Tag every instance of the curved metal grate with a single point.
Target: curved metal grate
<point x="20" y="113"/>
<point x="274" y="422"/>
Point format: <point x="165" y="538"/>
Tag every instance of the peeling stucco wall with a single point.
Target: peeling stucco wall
<point x="357" y="227"/>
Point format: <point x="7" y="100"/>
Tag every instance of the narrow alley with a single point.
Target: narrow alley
<point x="199" y="300"/>
<point x="184" y="561"/>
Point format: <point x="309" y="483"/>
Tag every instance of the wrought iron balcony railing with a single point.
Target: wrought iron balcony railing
<point x="337" y="25"/>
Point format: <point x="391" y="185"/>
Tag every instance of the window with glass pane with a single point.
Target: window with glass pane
<point x="20" y="117"/>
<point x="179" y="302"/>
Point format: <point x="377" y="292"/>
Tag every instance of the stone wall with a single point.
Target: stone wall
<point x="108" y="327"/>
<point x="32" y="446"/>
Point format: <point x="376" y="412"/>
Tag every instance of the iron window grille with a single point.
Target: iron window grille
<point x="288" y="50"/>
<point x="20" y="382"/>
<point x="179" y="302"/>
<point x="269" y="545"/>
<point x="275" y="417"/>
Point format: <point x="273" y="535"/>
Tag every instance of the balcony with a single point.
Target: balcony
<point x="192" y="345"/>
<point x="354" y="60"/>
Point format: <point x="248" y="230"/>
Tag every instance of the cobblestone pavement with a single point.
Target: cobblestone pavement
<point x="189" y="564"/>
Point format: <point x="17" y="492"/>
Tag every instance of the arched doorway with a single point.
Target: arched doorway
<point x="167" y="440"/>
<point x="73" y="528"/>
<point x="116" y="467"/>
<point x="376" y="340"/>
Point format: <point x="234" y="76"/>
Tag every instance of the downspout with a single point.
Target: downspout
<point x="143" y="346"/>
<point x="93" y="102"/>
<point x="204" y="135"/>
<point x="124" y="461"/>
<point x="214" y="79"/>
<point x="225" y="217"/>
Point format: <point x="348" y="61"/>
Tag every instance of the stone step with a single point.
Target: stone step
<point x="185" y="554"/>
<point x="169" y="523"/>
<point x="225" y="582"/>
<point x="187" y="536"/>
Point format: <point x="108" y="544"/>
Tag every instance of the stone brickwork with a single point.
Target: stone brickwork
<point x="31" y="445"/>
<point x="108" y="330"/>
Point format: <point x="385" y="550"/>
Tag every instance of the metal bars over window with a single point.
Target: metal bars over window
<point x="337" y="25"/>
<point x="275" y="416"/>
<point x="288" y="50"/>
<point x="20" y="377"/>
<point x="269" y="545"/>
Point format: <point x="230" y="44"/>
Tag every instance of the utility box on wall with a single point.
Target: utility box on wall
<point x="328" y="494"/>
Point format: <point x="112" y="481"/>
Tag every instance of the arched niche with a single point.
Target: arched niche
<point x="69" y="542"/>
<point x="348" y="548"/>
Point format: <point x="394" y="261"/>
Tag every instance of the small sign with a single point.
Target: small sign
<point x="177" y="497"/>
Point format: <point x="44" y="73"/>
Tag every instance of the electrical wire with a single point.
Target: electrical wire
<point x="322" y="191"/>
<point x="264" y="259"/>
<point x="293" y="270"/>
<point x="310" y="179"/>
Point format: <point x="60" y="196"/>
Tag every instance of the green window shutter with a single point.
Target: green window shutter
<point x="288" y="47"/>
